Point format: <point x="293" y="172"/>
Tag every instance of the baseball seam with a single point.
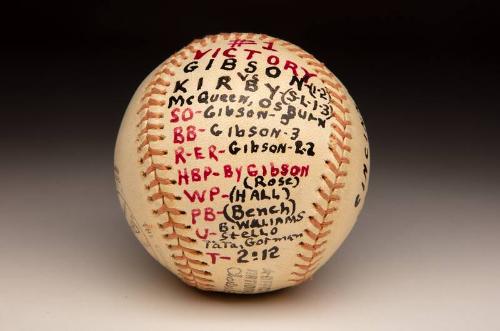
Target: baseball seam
<point x="318" y="229"/>
<point x="186" y="260"/>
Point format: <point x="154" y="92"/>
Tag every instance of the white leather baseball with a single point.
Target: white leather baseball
<point x="241" y="163"/>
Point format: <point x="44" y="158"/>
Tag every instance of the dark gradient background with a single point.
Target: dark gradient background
<point x="425" y="254"/>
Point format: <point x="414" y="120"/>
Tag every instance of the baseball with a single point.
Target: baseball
<point x="242" y="163"/>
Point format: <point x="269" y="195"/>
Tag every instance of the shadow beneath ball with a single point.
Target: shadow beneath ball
<point x="223" y="297"/>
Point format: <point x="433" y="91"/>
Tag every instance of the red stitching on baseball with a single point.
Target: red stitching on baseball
<point x="151" y="98"/>
<point x="319" y="227"/>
